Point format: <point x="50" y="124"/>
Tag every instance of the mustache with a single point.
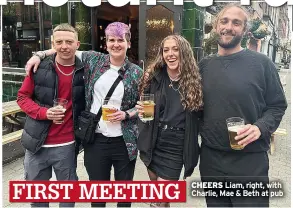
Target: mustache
<point x="227" y="32"/>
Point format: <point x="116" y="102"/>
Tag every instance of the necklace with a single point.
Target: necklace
<point x="175" y="89"/>
<point x="172" y="86"/>
<point x="62" y="71"/>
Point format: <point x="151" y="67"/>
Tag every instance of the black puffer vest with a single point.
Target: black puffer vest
<point x="46" y="90"/>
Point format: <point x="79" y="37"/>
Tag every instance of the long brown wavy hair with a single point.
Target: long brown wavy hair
<point x="190" y="79"/>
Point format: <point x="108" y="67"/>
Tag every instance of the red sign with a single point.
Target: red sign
<point x="97" y="191"/>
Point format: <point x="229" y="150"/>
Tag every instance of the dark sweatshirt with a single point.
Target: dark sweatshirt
<point x="245" y="84"/>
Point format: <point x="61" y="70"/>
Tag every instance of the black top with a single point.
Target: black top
<point x="148" y="132"/>
<point x="245" y="84"/>
<point x="171" y="109"/>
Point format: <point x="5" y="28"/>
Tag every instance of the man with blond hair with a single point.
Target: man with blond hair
<point x="241" y="83"/>
<point x="48" y="134"/>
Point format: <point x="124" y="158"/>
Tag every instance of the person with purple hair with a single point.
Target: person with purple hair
<point x="115" y="141"/>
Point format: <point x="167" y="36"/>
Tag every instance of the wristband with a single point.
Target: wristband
<point x="127" y="116"/>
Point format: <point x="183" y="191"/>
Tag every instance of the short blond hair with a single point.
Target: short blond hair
<point x="228" y="6"/>
<point x="66" y="27"/>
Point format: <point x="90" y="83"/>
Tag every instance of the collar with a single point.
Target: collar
<point x="158" y="75"/>
<point x="123" y="67"/>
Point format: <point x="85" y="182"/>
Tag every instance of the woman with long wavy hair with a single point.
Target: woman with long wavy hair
<point x="170" y="140"/>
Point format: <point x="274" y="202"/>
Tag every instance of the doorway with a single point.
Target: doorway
<point x="155" y="23"/>
<point x="106" y="14"/>
<point x="149" y="25"/>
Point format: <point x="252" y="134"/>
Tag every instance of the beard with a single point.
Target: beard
<point x="231" y="44"/>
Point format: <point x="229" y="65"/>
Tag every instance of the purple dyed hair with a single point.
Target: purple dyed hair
<point x="118" y="29"/>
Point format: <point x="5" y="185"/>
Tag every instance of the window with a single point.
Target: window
<point x="29" y="13"/>
<point x="46" y="12"/>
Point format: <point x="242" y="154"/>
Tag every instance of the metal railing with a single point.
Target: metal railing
<point x="13" y="69"/>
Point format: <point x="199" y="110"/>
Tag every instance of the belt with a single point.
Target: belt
<point x="103" y="139"/>
<point x="165" y="127"/>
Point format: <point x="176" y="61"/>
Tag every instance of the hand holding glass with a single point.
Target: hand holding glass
<point x="108" y="108"/>
<point x="60" y="104"/>
<point x="234" y="124"/>
<point x="148" y="104"/>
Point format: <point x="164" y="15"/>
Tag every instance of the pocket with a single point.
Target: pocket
<point x="30" y="143"/>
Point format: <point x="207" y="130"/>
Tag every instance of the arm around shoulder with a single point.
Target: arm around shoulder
<point x="86" y="56"/>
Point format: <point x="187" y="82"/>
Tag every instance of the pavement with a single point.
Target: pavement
<point x="280" y="167"/>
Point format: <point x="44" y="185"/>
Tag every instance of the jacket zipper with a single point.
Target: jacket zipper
<point x="72" y="99"/>
<point x="55" y="96"/>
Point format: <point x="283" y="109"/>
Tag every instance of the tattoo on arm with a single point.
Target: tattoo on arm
<point x="133" y="112"/>
<point x="132" y="109"/>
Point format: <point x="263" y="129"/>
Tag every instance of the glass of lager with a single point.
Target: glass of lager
<point x="148" y="104"/>
<point x="233" y="125"/>
<point x="60" y="103"/>
<point x="108" y="108"/>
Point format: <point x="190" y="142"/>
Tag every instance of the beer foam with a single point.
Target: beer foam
<point x="60" y="107"/>
<point x="148" y="102"/>
<point x="109" y="106"/>
<point x="235" y="128"/>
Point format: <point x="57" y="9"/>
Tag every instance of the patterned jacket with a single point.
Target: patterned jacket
<point x="96" y="64"/>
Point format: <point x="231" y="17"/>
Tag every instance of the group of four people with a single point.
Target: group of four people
<point x="190" y="99"/>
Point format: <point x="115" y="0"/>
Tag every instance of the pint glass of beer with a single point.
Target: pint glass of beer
<point x="108" y="108"/>
<point x="148" y="104"/>
<point x="233" y="125"/>
<point x="60" y="103"/>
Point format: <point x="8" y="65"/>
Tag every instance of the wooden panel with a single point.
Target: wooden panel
<point x="9" y="108"/>
<point x="280" y="131"/>
<point x="13" y="136"/>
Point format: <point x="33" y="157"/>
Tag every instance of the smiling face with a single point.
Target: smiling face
<point x="65" y="43"/>
<point x="231" y="27"/>
<point x="171" y="54"/>
<point x="117" y="46"/>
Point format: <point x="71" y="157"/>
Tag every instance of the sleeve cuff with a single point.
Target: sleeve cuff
<point x="43" y="114"/>
<point x="264" y="132"/>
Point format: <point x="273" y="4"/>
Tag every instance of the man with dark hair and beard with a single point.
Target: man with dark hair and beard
<point x="238" y="82"/>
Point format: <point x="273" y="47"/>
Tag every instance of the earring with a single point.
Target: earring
<point x="128" y="46"/>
